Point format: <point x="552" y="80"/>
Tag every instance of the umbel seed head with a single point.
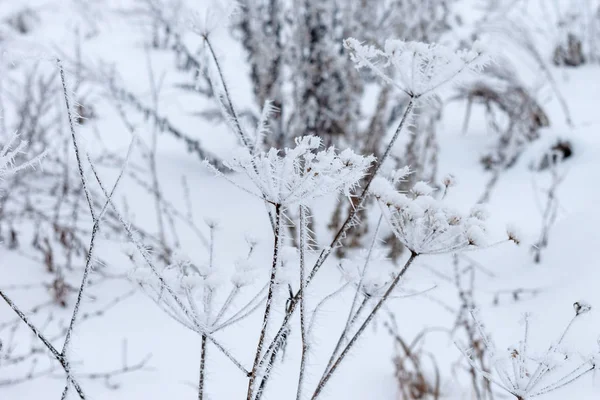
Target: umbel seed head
<point x="581" y="307"/>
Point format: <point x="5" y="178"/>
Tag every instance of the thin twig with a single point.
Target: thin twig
<point x="63" y="361"/>
<point x="364" y="325"/>
<point x="302" y="304"/>
<point x="272" y="283"/>
<point x="352" y="315"/>
<point x="234" y="116"/>
<point x="202" y="368"/>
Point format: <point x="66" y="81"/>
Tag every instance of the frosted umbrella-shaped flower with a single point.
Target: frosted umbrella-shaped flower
<point x="296" y="175"/>
<point x="425" y="224"/>
<point x="525" y="375"/>
<point x="212" y="15"/>
<point x="418" y="69"/>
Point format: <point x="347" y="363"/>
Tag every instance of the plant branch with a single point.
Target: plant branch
<point x="272" y="283"/>
<point x="364" y="325"/>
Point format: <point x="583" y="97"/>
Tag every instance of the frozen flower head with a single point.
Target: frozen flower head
<point x="245" y="273"/>
<point x="200" y="296"/>
<point x="417" y="69"/>
<point x="369" y="270"/>
<point x="424" y="224"/>
<point x="526" y="375"/>
<point x="297" y="175"/>
<point x="513" y="233"/>
<point x="214" y="14"/>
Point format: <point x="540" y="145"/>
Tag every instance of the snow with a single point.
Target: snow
<point x="567" y="273"/>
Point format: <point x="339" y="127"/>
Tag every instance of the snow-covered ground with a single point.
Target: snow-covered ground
<point x="568" y="271"/>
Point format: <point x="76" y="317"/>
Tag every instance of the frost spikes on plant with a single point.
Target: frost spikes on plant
<point x="526" y="376"/>
<point x="418" y="69"/>
<point x="424" y="224"/>
<point x="10" y="151"/>
<point x="300" y="174"/>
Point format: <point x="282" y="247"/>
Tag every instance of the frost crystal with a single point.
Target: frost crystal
<point x="9" y="153"/>
<point x="418" y="69"/>
<point x="300" y="174"/>
<point x="424" y="224"/>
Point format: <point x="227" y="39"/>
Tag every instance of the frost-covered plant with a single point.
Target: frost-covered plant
<point x="424" y="224"/>
<point x="300" y="174"/>
<point x="525" y="375"/>
<point x="511" y="109"/>
<point x="210" y="291"/>
<point x="418" y="69"/>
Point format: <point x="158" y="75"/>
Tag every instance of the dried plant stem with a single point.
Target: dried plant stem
<point x="354" y="313"/>
<point x="245" y="311"/>
<point x="96" y="218"/>
<point x="272" y="283"/>
<point x="347" y="223"/>
<point x="234" y="116"/>
<point x="74" y="137"/>
<point x="302" y="303"/>
<point x="202" y="368"/>
<point x="155" y="88"/>
<point x="364" y="325"/>
<point x="58" y="356"/>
